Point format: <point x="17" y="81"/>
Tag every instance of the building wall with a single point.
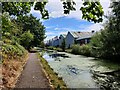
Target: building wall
<point x="56" y="42"/>
<point x="69" y="40"/>
<point x="61" y="38"/>
<point x="83" y="41"/>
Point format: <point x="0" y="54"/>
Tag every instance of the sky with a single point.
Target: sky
<point x="58" y="23"/>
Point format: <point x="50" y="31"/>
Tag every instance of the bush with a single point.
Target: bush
<point x="59" y="49"/>
<point x="51" y="47"/>
<point x="85" y="50"/>
<point x="75" y="49"/>
<point x="81" y="50"/>
<point x="12" y="51"/>
<point x="26" y="39"/>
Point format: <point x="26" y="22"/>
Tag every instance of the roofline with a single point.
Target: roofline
<point x="84" y="38"/>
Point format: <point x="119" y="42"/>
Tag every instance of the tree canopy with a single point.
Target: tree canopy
<point x="32" y="24"/>
<point x="92" y="11"/>
<point x="106" y="43"/>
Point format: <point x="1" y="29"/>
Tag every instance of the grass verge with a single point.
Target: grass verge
<point x="55" y="81"/>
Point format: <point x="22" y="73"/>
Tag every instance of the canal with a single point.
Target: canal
<point x="76" y="70"/>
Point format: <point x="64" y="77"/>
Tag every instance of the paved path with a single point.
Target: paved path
<point x="32" y="76"/>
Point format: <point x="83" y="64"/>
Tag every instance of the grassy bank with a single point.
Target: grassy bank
<point x="14" y="57"/>
<point x="55" y="48"/>
<point x="55" y="81"/>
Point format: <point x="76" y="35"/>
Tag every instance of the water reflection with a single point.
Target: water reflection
<point x="54" y="56"/>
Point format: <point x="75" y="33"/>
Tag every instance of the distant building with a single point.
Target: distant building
<point x="78" y="38"/>
<point x="72" y="37"/>
<point x="61" y="38"/>
<point x="55" y="41"/>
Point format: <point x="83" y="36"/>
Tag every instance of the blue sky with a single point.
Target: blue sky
<point x="58" y="23"/>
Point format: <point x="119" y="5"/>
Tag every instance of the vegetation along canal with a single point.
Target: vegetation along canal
<point x="80" y="72"/>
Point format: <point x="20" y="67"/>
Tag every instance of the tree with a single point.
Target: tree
<point x="107" y="42"/>
<point x="32" y="24"/>
<point x="16" y="8"/>
<point x="9" y="29"/>
<point x="92" y="11"/>
<point x="26" y="39"/>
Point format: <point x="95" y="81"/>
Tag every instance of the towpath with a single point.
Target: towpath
<point x="32" y="76"/>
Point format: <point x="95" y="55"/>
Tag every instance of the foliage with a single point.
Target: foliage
<point x="54" y="48"/>
<point x="68" y="6"/>
<point x="63" y="45"/>
<point x="81" y="50"/>
<point x="51" y="47"/>
<point x="30" y="23"/>
<point x="16" y="8"/>
<point x="85" y="50"/>
<point x="92" y="11"/>
<point x="9" y="29"/>
<point x="96" y="44"/>
<point x="12" y="51"/>
<point x="26" y="39"/>
<point x="41" y="7"/>
<point x="10" y="48"/>
<point x="75" y="49"/>
<point x="58" y="49"/>
<point x="42" y="45"/>
<point x="106" y="44"/>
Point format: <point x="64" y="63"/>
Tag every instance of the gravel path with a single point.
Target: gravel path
<point x="32" y="76"/>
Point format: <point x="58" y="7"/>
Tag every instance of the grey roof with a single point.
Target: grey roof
<point x="64" y="35"/>
<point x="82" y="35"/>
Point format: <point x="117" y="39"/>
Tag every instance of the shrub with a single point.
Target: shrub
<point x="51" y="47"/>
<point x="12" y="51"/>
<point x="59" y="49"/>
<point x="83" y="50"/>
<point x="75" y="49"/>
<point x="26" y="39"/>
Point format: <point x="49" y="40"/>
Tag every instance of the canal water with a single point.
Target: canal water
<point x="76" y="69"/>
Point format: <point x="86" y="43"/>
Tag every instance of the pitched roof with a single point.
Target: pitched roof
<point x="64" y="35"/>
<point x="80" y="35"/>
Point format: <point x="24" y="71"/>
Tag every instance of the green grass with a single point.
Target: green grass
<point x="108" y="64"/>
<point x="56" y="81"/>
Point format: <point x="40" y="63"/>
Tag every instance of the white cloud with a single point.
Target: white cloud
<point x="48" y="27"/>
<point x="55" y="9"/>
<point x="56" y="14"/>
<point x="64" y="32"/>
<point x="56" y="28"/>
<point x="48" y="38"/>
<point x="50" y="33"/>
<point x="95" y="27"/>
